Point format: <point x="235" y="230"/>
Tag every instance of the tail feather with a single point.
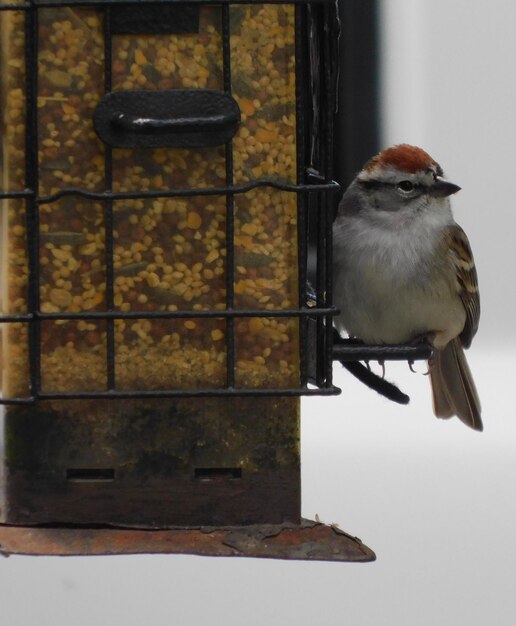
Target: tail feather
<point x="442" y="407"/>
<point x="453" y="389"/>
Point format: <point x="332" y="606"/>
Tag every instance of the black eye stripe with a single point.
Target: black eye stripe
<point x="376" y="184"/>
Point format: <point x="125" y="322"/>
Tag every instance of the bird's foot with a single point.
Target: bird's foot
<point x="427" y="339"/>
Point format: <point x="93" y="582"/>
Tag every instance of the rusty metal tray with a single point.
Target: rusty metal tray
<point x="307" y="541"/>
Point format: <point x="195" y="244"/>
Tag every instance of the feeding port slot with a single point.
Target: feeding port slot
<point x="218" y="473"/>
<point x="90" y="474"/>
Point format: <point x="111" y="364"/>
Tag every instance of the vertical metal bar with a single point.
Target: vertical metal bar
<point x="330" y="68"/>
<point x="320" y="129"/>
<point x="302" y="199"/>
<point x="329" y="299"/>
<point x="322" y="272"/>
<point x="32" y="183"/>
<point x="322" y="163"/>
<point x="230" y="210"/>
<point x="108" y="212"/>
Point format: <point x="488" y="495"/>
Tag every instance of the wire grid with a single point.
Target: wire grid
<point x="314" y="189"/>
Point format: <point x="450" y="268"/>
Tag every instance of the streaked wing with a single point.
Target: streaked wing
<point x="467" y="281"/>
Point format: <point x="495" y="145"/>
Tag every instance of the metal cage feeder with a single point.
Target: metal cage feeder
<point x="160" y="164"/>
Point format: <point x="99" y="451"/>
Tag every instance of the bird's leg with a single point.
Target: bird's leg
<point x="428" y="339"/>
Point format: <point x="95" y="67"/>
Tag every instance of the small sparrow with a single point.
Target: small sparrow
<point x="404" y="271"/>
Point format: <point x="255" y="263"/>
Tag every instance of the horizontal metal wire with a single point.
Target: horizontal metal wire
<point x="56" y="3"/>
<point x="10" y="195"/>
<point x="24" y="6"/>
<point x="330" y="186"/>
<point x="174" y="393"/>
<point x="224" y="313"/>
<point x="22" y="317"/>
<point x="15" y="7"/>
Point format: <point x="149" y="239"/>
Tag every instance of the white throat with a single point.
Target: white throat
<point x="403" y="240"/>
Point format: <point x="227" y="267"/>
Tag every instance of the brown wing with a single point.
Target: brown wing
<point x="467" y="282"/>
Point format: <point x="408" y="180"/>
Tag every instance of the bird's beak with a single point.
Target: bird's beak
<point x="443" y="188"/>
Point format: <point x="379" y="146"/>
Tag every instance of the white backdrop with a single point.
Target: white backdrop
<point x="435" y="500"/>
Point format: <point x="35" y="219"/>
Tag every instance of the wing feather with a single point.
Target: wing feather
<point x="467" y="281"/>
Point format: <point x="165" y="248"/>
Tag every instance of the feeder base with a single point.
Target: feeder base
<point x="311" y="541"/>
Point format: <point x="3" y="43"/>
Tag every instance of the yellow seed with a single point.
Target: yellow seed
<point x="88" y="304"/>
<point x="208" y="274"/>
<point x="153" y="279"/>
<point x="212" y="255"/>
<point x="59" y="254"/>
<point x="61" y="297"/>
<point x="139" y="57"/>
<point x="246" y="106"/>
<point x="250" y="229"/>
<point x="190" y="324"/>
<point x="193" y="220"/>
<point x="217" y="334"/>
<point x="88" y="248"/>
<point x="255" y="325"/>
<point x="265" y="136"/>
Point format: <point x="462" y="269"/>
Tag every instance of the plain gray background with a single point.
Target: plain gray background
<point x="435" y="500"/>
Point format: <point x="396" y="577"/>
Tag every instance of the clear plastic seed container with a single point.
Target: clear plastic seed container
<point x="168" y="253"/>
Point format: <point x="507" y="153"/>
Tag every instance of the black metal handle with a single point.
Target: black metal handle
<point x="178" y="118"/>
<point x="149" y="125"/>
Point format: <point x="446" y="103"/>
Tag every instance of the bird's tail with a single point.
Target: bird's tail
<point x="453" y="389"/>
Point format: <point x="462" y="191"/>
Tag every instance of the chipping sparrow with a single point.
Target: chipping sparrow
<point x="403" y="270"/>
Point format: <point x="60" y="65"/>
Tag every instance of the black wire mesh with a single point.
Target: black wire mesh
<point x="315" y="72"/>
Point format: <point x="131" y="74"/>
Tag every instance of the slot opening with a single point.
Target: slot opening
<point x="80" y="474"/>
<point x="209" y="474"/>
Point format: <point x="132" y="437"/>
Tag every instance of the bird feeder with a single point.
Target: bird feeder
<point x="159" y="164"/>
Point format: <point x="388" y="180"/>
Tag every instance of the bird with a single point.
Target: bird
<point x="403" y="271"/>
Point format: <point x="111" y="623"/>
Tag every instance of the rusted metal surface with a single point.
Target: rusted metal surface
<point x="306" y="541"/>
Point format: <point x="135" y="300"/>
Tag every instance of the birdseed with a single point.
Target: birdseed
<point x="169" y="254"/>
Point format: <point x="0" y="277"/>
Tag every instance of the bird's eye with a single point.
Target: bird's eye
<point x="406" y="186"/>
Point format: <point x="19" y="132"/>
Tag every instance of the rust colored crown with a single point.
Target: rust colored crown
<point x="403" y="157"/>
